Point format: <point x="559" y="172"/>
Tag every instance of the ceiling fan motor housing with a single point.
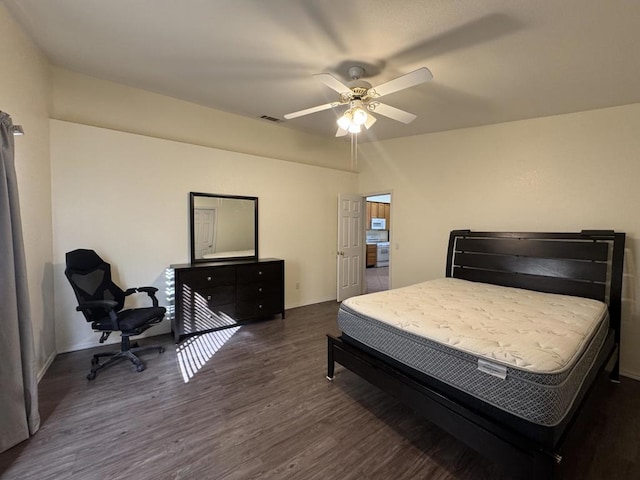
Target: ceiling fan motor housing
<point x="360" y="92"/>
<point x="356" y="72"/>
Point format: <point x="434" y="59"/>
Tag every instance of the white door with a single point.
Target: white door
<point x="350" y="245"/>
<point x="204" y="231"/>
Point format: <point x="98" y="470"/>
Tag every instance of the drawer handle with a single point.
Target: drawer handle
<point x="260" y="289"/>
<point x="260" y="272"/>
<point x="208" y="297"/>
<point x="259" y="306"/>
<point x="209" y="279"/>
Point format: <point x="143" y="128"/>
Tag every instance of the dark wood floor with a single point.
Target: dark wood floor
<point x="261" y="408"/>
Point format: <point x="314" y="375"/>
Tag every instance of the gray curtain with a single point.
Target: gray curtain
<point x="19" y="416"/>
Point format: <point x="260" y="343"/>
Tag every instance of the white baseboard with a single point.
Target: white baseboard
<point x="114" y="339"/>
<point x="633" y="375"/>
<point x="46" y="366"/>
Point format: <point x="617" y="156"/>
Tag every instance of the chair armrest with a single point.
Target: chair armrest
<point x="129" y="291"/>
<point x="151" y="291"/>
<point x="147" y="289"/>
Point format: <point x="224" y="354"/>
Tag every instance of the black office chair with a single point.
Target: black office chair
<point x="101" y="301"/>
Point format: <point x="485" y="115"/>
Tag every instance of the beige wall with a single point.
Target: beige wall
<point x="90" y="101"/>
<point x="562" y="173"/>
<point x="25" y="94"/>
<point x="127" y="196"/>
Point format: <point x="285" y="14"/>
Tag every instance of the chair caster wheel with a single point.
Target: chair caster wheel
<point x="161" y="349"/>
<point x="94" y="361"/>
<point x="91" y="376"/>
<point x="139" y="368"/>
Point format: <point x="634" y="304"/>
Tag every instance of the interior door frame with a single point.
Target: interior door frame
<point x="364" y="227"/>
<point x="388" y="191"/>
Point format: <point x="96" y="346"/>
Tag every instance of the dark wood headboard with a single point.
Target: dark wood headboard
<point x="586" y="264"/>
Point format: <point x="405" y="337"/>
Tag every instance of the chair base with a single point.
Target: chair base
<point x="115" y="356"/>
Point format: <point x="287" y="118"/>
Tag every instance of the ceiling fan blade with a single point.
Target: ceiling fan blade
<point x="307" y="111"/>
<point x="370" y="121"/>
<point x="411" y="79"/>
<point x="394" y="113"/>
<point x="341" y="132"/>
<point x="332" y="82"/>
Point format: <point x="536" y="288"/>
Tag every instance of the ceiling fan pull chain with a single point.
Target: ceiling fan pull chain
<point x="354" y="151"/>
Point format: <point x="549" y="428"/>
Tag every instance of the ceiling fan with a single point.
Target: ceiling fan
<point x="362" y="99"/>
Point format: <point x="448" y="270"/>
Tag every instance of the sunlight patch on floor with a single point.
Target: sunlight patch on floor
<point x="194" y="352"/>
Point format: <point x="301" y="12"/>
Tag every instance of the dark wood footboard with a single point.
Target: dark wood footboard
<point x="531" y="453"/>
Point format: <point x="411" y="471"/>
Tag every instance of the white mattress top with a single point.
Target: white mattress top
<point x="539" y="332"/>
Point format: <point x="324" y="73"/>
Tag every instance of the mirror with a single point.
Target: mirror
<point x="223" y="227"/>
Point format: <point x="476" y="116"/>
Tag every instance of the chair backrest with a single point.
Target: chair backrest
<point x="90" y="277"/>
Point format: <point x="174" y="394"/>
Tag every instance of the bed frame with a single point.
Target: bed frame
<point x="586" y="264"/>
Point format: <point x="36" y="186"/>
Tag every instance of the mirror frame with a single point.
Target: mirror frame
<point x="192" y="246"/>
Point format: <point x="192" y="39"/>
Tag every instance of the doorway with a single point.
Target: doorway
<point x="377" y="235"/>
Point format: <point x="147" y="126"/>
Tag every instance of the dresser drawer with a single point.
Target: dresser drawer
<point x="269" y="272"/>
<point x="257" y="308"/>
<point x="258" y="291"/>
<point x="214" y="296"/>
<point x="208" y="277"/>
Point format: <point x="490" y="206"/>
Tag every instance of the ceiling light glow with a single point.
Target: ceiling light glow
<point x="344" y="121"/>
<point x="359" y="116"/>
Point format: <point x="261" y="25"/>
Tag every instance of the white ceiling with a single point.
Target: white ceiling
<point x="492" y="60"/>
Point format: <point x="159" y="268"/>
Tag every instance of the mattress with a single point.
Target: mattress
<point x="521" y="351"/>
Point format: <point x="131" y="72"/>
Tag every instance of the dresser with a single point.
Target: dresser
<point x="212" y="296"/>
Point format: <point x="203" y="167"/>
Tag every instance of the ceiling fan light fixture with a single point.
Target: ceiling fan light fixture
<point x="344" y="122"/>
<point x="354" y="128"/>
<point x="359" y="116"/>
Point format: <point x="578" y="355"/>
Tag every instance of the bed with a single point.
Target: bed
<point x="502" y="352"/>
